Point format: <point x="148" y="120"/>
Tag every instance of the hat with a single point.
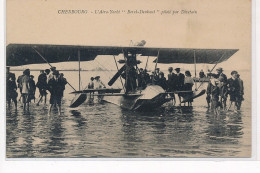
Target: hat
<point x="97" y="77"/>
<point x="188" y="73"/>
<point x="53" y="68"/>
<point x="219" y="69"/>
<point x="177" y="69"/>
<point x="170" y="68"/>
<point x="157" y="69"/>
<point x="234" y="72"/>
<point x="47" y="71"/>
<point x="26" y="72"/>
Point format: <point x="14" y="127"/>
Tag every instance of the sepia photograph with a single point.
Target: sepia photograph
<point x="139" y="79"/>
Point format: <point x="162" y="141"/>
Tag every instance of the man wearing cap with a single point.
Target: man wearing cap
<point x="233" y="89"/>
<point x="55" y="86"/>
<point x="223" y="86"/>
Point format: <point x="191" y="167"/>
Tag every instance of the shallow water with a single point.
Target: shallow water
<point x="106" y="130"/>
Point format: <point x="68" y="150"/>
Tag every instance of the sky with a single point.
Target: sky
<point x="223" y="24"/>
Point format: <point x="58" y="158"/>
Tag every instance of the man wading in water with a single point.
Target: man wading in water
<point x="56" y="87"/>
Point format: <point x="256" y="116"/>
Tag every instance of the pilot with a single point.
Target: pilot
<point x="156" y="75"/>
<point x="140" y="78"/>
<point x="162" y="81"/>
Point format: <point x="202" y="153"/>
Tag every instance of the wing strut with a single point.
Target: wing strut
<point x="156" y="63"/>
<point x="195" y="69"/>
<point x="50" y="65"/>
<point x="79" y="66"/>
<point x="146" y="62"/>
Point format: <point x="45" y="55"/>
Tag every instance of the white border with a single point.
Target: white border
<point x="164" y="165"/>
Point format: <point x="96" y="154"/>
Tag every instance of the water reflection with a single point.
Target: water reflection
<point x="105" y="130"/>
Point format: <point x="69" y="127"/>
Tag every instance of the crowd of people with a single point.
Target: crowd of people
<point x="218" y="90"/>
<point x="176" y="81"/>
<point x="220" y="87"/>
<point x="52" y="82"/>
<point x="49" y="81"/>
<point x="95" y="83"/>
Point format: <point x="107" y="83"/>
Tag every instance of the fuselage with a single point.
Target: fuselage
<point x="153" y="96"/>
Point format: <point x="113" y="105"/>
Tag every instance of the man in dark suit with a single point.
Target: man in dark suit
<point x="171" y="82"/>
<point x="179" y="82"/>
<point x="233" y="90"/>
<point x="223" y="86"/>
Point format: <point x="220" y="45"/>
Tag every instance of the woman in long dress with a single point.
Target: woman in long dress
<point x="188" y="84"/>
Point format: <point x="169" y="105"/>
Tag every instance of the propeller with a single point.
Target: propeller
<point x="116" y="76"/>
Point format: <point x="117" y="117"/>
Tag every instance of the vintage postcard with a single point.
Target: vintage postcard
<point x="128" y="79"/>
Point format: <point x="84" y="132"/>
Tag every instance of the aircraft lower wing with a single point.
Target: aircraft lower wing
<point x="105" y="90"/>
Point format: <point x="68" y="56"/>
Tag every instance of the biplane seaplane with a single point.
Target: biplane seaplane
<point x="128" y="97"/>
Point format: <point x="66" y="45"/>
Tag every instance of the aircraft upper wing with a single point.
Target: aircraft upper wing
<point x="23" y="54"/>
